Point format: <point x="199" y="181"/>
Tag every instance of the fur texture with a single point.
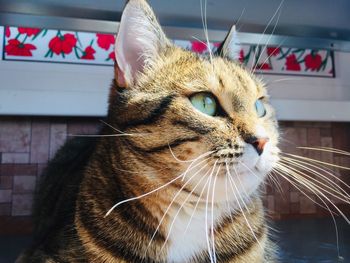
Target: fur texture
<point x="205" y="210"/>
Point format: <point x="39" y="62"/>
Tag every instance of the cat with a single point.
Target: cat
<point x="175" y="174"/>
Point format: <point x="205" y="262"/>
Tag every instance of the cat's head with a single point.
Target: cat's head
<point x="179" y="106"/>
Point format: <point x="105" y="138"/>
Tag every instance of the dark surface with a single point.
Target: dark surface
<point x="313" y="240"/>
<point x="301" y="241"/>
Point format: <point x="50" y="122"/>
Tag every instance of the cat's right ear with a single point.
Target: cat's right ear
<point x="139" y="41"/>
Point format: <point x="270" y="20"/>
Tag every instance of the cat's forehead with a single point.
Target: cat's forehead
<point x="219" y="76"/>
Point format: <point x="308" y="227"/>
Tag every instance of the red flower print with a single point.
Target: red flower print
<point x="273" y="51"/>
<point x="111" y="55"/>
<point x="241" y="56"/>
<point x="292" y="63"/>
<point x="63" y="44"/>
<point x="89" y="53"/>
<point x="198" y="46"/>
<point x="217" y="44"/>
<point x="16" y="48"/>
<point x="313" y="62"/>
<point x="29" y="31"/>
<point x="264" y="66"/>
<point x="7" y="32"/>
<point x="105" y="40"/>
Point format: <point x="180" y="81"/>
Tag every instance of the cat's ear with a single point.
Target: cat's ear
<point x="139" y="41"/>
<point x="230" y="47"/>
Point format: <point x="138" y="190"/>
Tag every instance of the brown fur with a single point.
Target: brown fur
<point x="157" y="110"/>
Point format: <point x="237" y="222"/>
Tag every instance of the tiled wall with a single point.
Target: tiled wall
<point x="26" y="144"/>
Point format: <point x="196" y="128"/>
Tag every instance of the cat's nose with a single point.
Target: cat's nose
<point x="258" y="143"/>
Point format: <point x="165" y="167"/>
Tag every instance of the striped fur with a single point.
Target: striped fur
<point x="153" y="107"/>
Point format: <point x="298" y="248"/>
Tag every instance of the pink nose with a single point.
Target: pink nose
<point x="258" y="143"/>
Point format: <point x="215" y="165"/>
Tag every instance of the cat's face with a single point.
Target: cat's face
<point x="187" y="106"/>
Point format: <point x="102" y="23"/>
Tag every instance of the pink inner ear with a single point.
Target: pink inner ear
<point x="120" y="77"/>
<point x="134" y="55"/>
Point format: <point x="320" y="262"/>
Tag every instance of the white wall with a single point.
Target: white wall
<point x="34" y="88"/>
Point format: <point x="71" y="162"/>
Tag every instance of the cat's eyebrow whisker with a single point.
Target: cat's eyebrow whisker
<point x="268" y="24"/>
<point x="267" y="42"/>
<point x="205" y="28"/>
<point x="150" y="192"/>
<point x="233" y="184"/>
<point x="281" y="80"/>
<point x="279" y="45"/>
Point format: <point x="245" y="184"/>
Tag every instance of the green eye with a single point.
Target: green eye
<point x="204" y="102"/>
<point x="260" y="108"/>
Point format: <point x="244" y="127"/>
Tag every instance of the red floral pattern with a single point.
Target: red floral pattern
<point x="16" y="48"/>
<point x="292" y="63"/>
<point x="29" y="31"/>
<point x="7" y="32"/>
<point x="79" y="47"/>
<point x="63" y="44"/>
<point x="89" y="53"/>
<point x="241" y="56"/>
<point x="105" y="41"/>
<point x="313" y="61"/>
<point x="272" y="51"/>
<point x="111" y="56"/>
<point x="198" y="46"/>
<point x="264" y="66"/>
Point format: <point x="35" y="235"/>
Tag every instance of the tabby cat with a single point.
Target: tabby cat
<point x="176" y="172"/>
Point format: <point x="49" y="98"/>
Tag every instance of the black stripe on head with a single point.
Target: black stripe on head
<point x="161" y="148"/>
<point x="155" y="113"/>
<point x="196" y="127"/>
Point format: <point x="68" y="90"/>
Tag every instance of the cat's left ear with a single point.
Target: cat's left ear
<point x="230" y="47"/>
<point x="139" y="41"/>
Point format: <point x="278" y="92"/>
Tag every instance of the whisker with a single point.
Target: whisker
<point x="239" y="205"/>
<point x="195" y="208"/>
<point x="325" y="149"/>
<point x="284" y="175"/>
<point x="178" y="211"/>
<point x="267" y="42"/>
<point x="311" y="186"/>
<point x="205" y="28"/>
<point x="206" y="216"/>
<point x="291" y="167"/>
<point x="332" y="215"/>
<point x="109" y="125"/>
<point x="152" y="191"/>
<point x="268" y="24"/>
<point x="306" y="165"/>
<point x="316" y="161"/>
<point x="104" y="135"/>
<point x="212" y="213"/>
<point x="169" y="206"/>
<point x="190" y="166"/>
